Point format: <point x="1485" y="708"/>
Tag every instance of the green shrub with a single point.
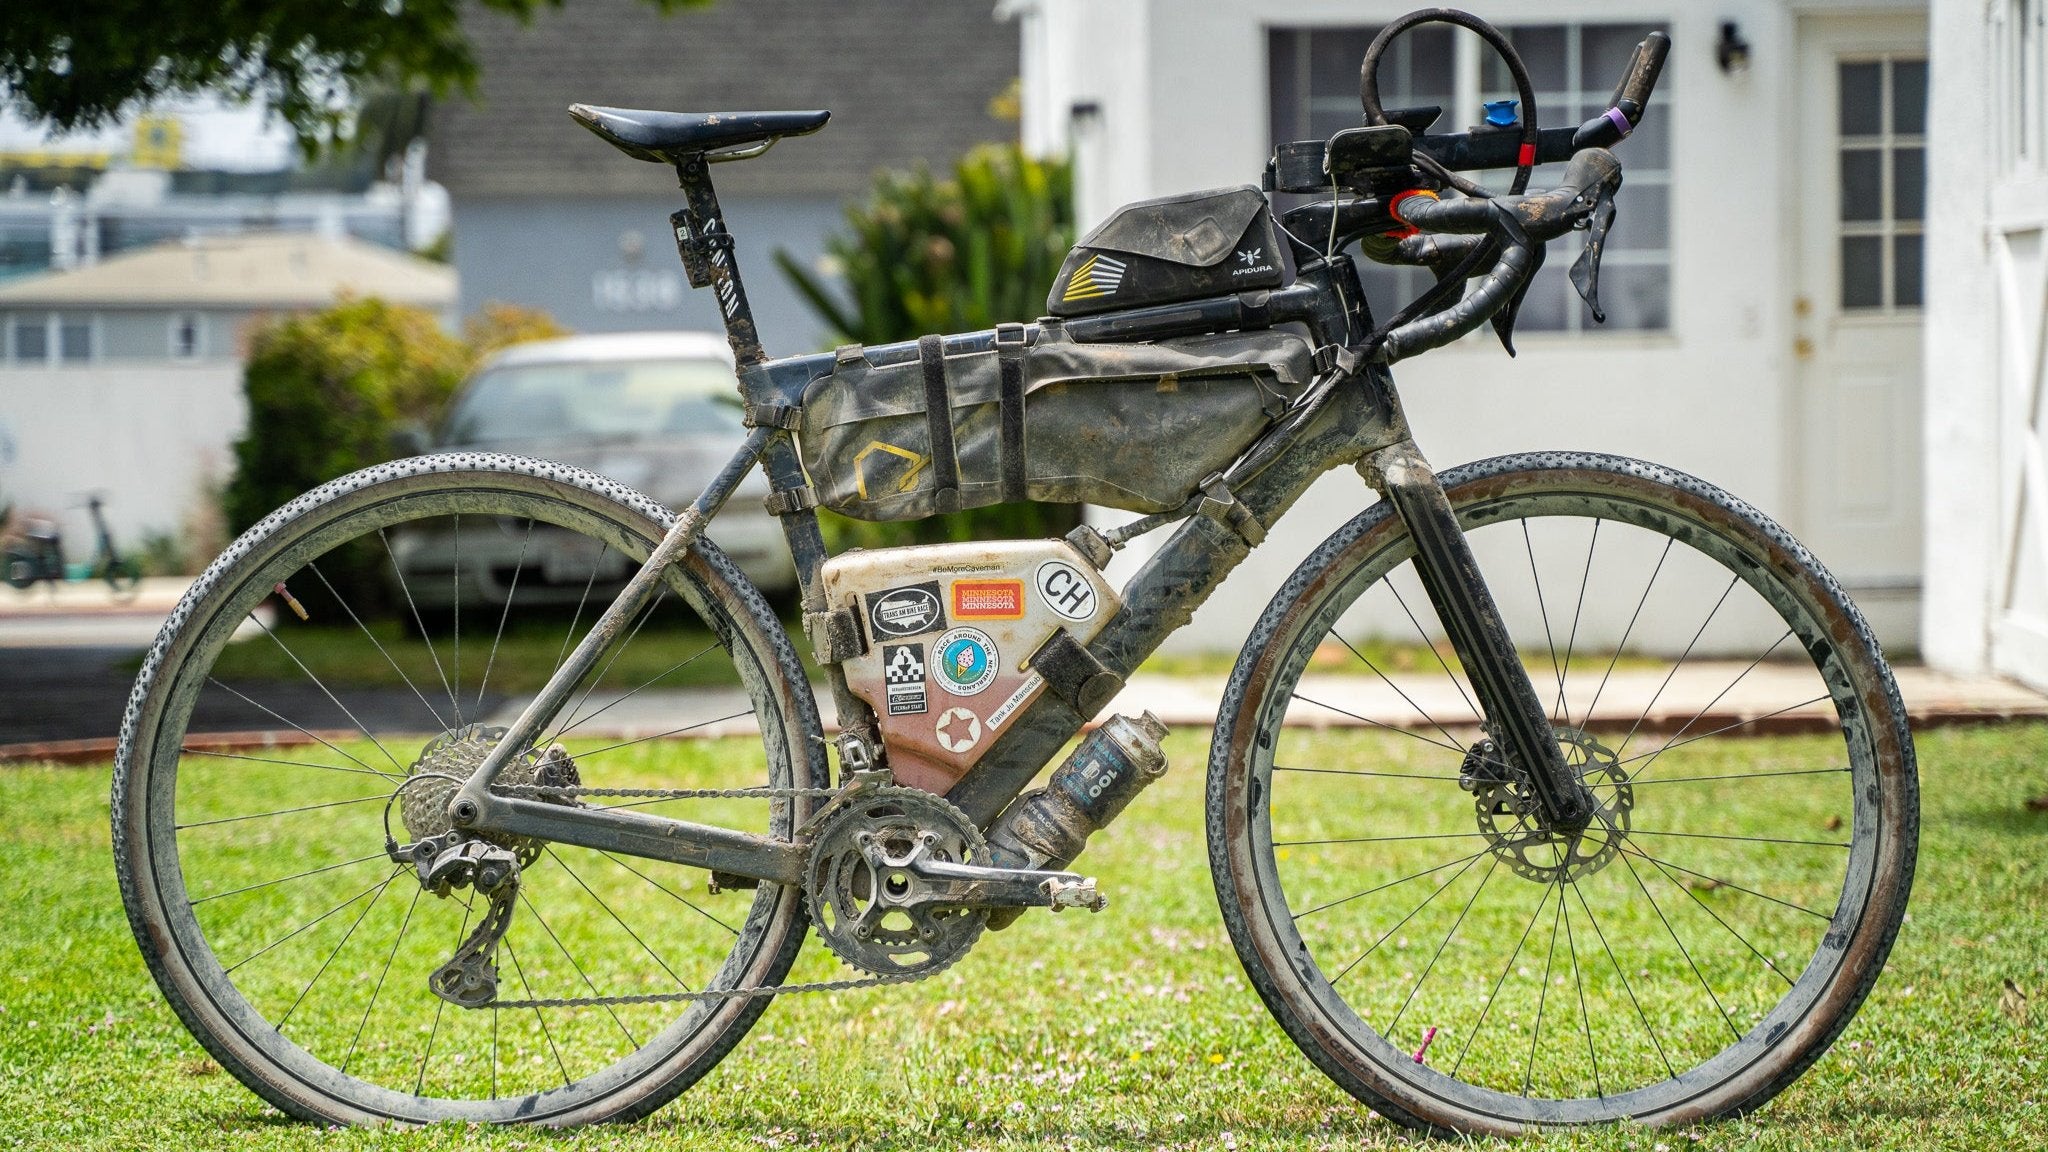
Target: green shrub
<point x="954" y="255"/>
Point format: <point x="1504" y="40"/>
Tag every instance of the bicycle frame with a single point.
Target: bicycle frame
<point x="1350" y="417"/>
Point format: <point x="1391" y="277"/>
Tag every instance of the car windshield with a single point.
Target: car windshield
<point x="606" y="400"/>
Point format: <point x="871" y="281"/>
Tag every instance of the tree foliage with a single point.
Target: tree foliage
<point x="79" y="65"/>
<point x="967" y="252"/>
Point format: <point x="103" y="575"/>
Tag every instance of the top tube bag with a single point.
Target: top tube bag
<point x="907" y="431"/>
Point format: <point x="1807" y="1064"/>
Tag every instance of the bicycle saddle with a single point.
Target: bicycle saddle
<point x="668" y="137"/>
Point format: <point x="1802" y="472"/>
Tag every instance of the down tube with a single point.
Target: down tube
<point x="1165" y="593"/>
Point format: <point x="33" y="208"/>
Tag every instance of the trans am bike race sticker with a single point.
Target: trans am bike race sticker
<point x="903" y="676"/>
<point x="912" y="610"/>
<point x="967" y="661"/>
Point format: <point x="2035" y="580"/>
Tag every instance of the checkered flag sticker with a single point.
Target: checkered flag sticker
<point x="903" y="663"/>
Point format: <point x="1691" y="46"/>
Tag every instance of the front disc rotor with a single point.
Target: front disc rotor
<point x="868" y="907"/>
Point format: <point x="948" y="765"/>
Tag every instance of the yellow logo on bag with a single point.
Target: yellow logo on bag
<point x="909" y="481"/>
<point x="1097" y="276"/>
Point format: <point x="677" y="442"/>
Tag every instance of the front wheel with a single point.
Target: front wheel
<point x="284" y="707"/>
<point x="1388" y="879"/>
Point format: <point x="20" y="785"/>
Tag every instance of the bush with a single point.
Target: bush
<point x="327" y="391"/>
<point x="955" y="255"/>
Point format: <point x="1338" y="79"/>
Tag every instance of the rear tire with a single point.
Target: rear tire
<point x="222" y="894"/>
<point x="1743" y="919"/>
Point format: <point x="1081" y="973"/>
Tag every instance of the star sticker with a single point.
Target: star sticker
<point x="958" y="730"/>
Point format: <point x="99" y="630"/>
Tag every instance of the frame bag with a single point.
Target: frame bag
<point x="908" y="431"/>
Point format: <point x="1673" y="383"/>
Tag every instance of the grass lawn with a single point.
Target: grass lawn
<point x="1132" y="1029"/>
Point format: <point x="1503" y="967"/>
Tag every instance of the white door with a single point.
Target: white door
<point x="1861" y="170"/>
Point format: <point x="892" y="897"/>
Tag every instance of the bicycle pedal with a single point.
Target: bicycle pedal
<point x="1080" y="893"/>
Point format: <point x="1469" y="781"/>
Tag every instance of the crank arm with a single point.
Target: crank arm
<point x="635" y="834"/>
<point x="971" y="886"/>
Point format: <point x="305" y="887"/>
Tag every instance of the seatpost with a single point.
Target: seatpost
<point x="707" y="251"/>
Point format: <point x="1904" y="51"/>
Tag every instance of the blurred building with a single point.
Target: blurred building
<point x="546" y="215"/>
<point x="125" y="375"/>
<point x="1828" y="287"/>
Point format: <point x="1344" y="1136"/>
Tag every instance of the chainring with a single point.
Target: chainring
<point x="867" y="907"/>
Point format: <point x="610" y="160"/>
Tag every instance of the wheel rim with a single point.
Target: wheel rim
<point x="330" y="995"/>
<point x="1416" y="972"/>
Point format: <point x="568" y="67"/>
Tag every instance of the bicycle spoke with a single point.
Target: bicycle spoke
<point x="665" y="890"/>
<point x="1740" y="776"/>
<point x="582" y="603"/>
<point x="1682" y="949"/>
<point x="1687" y="726"/>
<point x="1427" y="900"/>
<point x="1668" y="745"/>
<point x="419" y="1081"/>
<point x="1543" y="610"/>
<point x="1439" y="953"/>
<point x="547" y="1035"/>
<point x="287" y="763"/>
<point x="618" y="649"/>
<point x="282" y="812"/>
<point x="663" y="735"/>
<point x="1749" y="839"/>
<point x="1543" y="992"/>
<point x="288" y="879"/>
<point x="379" y="989"/>
<point x="1708" y="909"/>
<point x="1578" y="610"/>
<point x="1716" y="880"/>
<point x="320" y="740"/>
<point x="327" y="692"/>
<point x="1621" y="645"/>
<point x="1494" y="996"/>
<point x="1626" y="987"/>
<point x="1682" y="657"/>
<point x="339" y="945"/>
<point x="1362" y="772"/>
<point x="587" y="982"/>
<point x="375" y="643"/>
<point x="504" y="613"/>
<point x="615" y="919"/>
<point x="377" y="886"/>
<point x="1380" y="839"/>
<point x="635" y="692"/>
<point x="1297" y="916"/>
<point x="1450" y="741"/>
<point x="455" y="616"/>
<point x="426" y="637"/>
<point x="1579" y="980"/>
<point x="1385" y="727"/>
<point x="1434" y="650"/>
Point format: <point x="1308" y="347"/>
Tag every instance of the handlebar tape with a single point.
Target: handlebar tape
<point x="1631" y="97"/>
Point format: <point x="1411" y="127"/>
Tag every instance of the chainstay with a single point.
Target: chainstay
<point x="570" y="792"/>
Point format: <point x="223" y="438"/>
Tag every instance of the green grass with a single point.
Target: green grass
<point x="1132" y="1029"/>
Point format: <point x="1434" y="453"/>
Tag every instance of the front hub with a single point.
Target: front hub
<point x="1512" y="821"/>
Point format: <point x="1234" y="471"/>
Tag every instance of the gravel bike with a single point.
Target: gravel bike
<point x="1514" y="909"/>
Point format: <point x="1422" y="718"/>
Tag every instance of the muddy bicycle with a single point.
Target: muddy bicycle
<point x="477" y="894"/>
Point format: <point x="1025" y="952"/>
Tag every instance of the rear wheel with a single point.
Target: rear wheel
<point x="1392" y="889"/>
<point x="283" y="707"/>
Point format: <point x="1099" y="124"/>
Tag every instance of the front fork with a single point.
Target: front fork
<point x="1450" y="574"/>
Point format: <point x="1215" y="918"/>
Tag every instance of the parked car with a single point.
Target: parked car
<point x="655" y="411"/>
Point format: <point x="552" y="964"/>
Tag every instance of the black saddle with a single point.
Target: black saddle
<point x="668" y="137"/>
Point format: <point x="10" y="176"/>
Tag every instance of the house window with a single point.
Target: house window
<point x="30" y="338"/>
<point x="1573" y="67"/>
<point x="1882" y="120"/>
<point x="2020" y="29"/>
<point x="185" y="336"/>
<point x="74" y="338"/>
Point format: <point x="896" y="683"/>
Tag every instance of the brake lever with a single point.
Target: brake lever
<point x="1504" y="320"/>
<point x="1585" y="272"/>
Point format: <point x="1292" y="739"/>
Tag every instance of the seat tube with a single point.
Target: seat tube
<point x="1450" y="575"/>
<point x="707" y="251"/>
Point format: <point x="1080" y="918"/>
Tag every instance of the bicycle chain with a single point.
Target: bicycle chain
<point x="571" y="792"/>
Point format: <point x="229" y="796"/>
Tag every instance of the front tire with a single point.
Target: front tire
<point x="1737" y="901"/>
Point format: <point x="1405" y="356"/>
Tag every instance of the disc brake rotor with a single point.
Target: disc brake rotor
<point x="1512" y="822"/>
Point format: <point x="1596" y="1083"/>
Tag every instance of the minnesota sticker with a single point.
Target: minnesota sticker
<point x="988" y="599"/>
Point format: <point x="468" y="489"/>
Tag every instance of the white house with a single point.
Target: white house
<point x="125" y="376"/>
<point x="1786" y="319"/>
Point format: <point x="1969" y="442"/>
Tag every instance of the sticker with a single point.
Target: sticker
<point x="967" y="661"/>
<point x="1016" y="701"/>
<point x="903" y="677"/>
<point x="1065" y="590"/>
<point x="909" y="611"/>
<point x="958" y="730"/>
<point x="1097" y="276"/>
<point x="988" y="599"/>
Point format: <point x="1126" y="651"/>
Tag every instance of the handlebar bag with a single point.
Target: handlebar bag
<point x="1029" y="414"/>
<point x="1171" y="249"/>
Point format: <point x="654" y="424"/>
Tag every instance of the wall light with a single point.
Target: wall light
<point x="1731" y="52"/>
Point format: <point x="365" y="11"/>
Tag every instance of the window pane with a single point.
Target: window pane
<point x="75" y="339"/>
<point x="1541" y="47"/>
<point x="1607" y="51"/>
<point x="1636" y="298"/>
<point x="1909" y="97"/>
<point x="1547" y="307"/>
<point x="1909" y="183"/>
<point x="1862" y="184"/>
<point x="1649" y="146"/>
<point x="1333" y="58"/>
<point x="1906" y="271"/>
<point x="1862" y="272"/>
<point x="1289" y="102"/>
<point x="1862" y="100"/>
<point x="31" y="339"/>
<point x="1642" y="219"/>
<point x="1429" y="60"/>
